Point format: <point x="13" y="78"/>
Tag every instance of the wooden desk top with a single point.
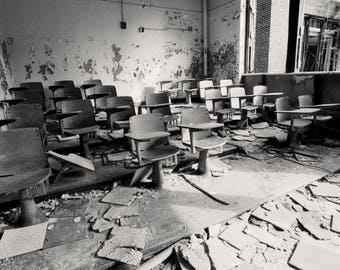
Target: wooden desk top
<point x="187" y="80"/>
<point x="20" y="88"/>
<point x="59" y="116"/>
<point x="156" y="105"/>
<point x="85" y="86"/>
<point x="4" y="122"/>
<point x="147" y="136"/>
<point x="164" y="82"/>
<point x="300" y="111"/>
<point x="114" y="109"/>
<point x="274" y="94"/>
<point x="95" y="96"/>
<point x="202" y="126"/>
<point x="190" y="90"/>
<point x="14" y="101"/>
<point x="322" y="106"/>
<point x="55" y="87"/>
<point x="24" y="180"/>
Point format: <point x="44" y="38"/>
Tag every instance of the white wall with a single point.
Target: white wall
<point x="278" y="41"/>
<point x="50" y="40"/>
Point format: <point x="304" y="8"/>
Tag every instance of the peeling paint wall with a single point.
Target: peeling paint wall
<point x="49" y="40"/>
<point x="224" y="39"/>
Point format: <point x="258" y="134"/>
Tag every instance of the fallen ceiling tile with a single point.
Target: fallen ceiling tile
<point x="22" y="240"/>
<point x="264" y="236"/>
<point x="325" y="189"/>
<point x="312" y="255"/>
<point x="281" y="218"/>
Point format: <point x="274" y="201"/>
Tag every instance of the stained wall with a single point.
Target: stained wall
<point x="224" y="38"/>
<point x="48" y="40"/>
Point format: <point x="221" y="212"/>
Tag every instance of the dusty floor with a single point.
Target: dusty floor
<point x="265" y="237"/>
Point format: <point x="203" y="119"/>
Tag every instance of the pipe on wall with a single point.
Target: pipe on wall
<point x="205" y="37"/>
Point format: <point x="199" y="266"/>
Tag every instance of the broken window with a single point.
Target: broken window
<point x="320" y="44"/>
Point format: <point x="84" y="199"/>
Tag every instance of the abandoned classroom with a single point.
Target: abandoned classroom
<point x="158" y="134"/>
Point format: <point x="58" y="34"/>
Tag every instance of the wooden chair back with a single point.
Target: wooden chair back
<point x="27" y="115"/>
<point x="202" y="85"/>
<point x="82" y="120"/>
<point x="158" y="98"/>
<point x="234" y="92"/>
<point x="64" y="83"/>
<point x="150" y="122"/>
<point x="211" y="94"/>
<point x="113" y="102"/>
<point x="21" y="151"/>
<point x="282" y="103"/>
<point x="224" y="86"/>
<point x="35" y="94"/>
<point x="93" y="81"/>
<point x="69" y="91"/>
<point x="259" y="89"/>
<point x="305" y="100"/>
<point x="102" y="89"/>
<point x="194" y="116"/>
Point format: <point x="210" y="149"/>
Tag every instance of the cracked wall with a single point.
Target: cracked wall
<point x="224" y="36"/>
<point x="68" y="39"/>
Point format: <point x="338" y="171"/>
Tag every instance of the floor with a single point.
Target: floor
<point x="258" y="173"/>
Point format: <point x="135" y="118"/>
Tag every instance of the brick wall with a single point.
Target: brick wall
<point x="262" y="35"/>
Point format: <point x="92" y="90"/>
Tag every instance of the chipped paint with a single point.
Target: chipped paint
<point x="223" y="60"/>
<point x="3" y="79"/>
<point x="89" y="67"/>
<point x="6" y="57"/>
<point x="128" y="60"/>
<point x="48" y="50"/>
<point x="28" y="71"/>
<point x="65" y="63"/>
<point x="223" y="49"/>
<point x="117" y="57"/>
<point x="46" y="69"/>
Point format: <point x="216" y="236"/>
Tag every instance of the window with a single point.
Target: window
<point x="320" y="44"/>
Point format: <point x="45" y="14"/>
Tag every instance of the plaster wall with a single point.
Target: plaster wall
<point x="278" y="41"/>
<point x="224" y="39"/>
<point x="49" y="40"/>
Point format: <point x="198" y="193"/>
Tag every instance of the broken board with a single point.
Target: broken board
<point x="312" y="256"/>
<point x="22" y="240"/>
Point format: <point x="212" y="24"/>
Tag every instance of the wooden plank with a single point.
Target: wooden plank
<point x="313" y="256"/>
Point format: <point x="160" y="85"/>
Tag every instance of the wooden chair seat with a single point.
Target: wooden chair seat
<point x="319" y="118"/>
<point x="207" y="143"/>
<point x="148" y="132"/>
<point x="160" y="153"/>
<point x="250" y="107"/>
<point x="24" y="180"/>
<point x="81" y="130"/>
<point x="298" y="123"/>
<point x="224" y="111"/>
<point x="23" y="165"/>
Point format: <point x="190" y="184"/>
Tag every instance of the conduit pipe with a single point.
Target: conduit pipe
<point x="205" y="37"/>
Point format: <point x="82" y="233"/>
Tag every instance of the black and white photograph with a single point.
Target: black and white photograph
<point x="169" y="135"/>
